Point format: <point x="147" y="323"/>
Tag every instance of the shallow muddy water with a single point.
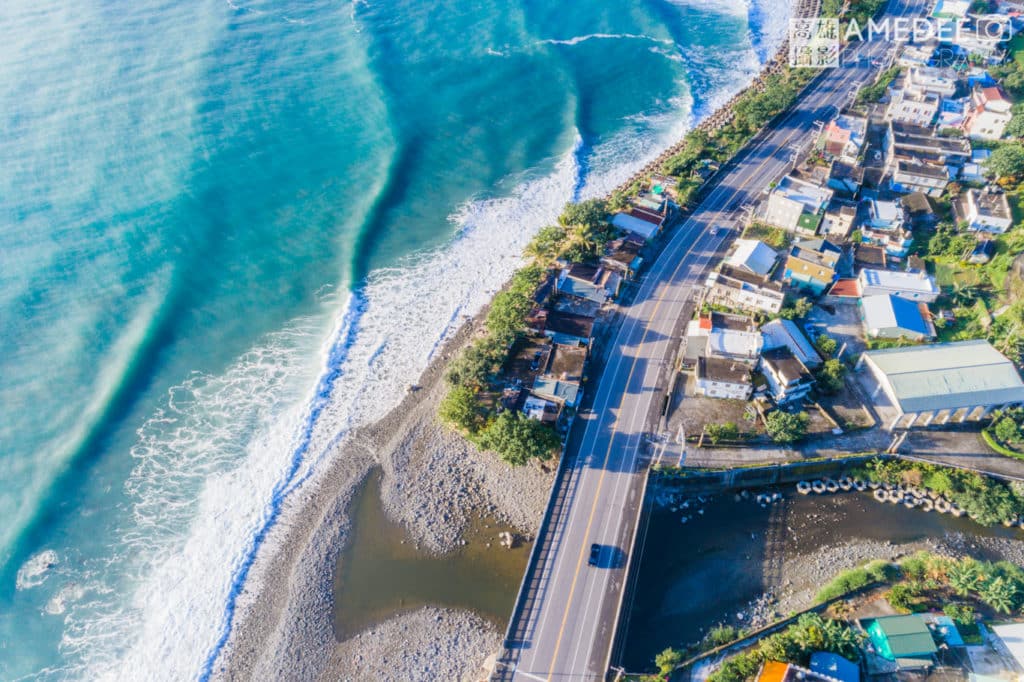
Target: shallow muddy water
<point x="696" y="574"/>
<point x="381" y="573"/>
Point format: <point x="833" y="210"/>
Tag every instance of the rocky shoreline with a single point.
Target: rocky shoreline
<point x="434" y="483"/>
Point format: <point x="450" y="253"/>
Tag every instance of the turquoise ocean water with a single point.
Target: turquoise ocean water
<point x="231" y="230"/>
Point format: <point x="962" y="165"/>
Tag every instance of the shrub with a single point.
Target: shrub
<point x="724" y="431"/>
<point x="786" y="427"/>
<point x="830" y="376"/>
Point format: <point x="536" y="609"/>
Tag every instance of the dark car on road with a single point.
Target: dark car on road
<point x="595" y="554"/>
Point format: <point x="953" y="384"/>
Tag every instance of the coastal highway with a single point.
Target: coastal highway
<point x="565" y="616"/>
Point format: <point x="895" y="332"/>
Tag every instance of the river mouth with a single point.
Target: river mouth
<point x="381" y="573"/>
<point x="711" y="569"/>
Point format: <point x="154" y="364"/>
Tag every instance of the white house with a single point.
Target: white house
<point x="990" y="111"/>
<point x="985" y="210"/>
<point x="796" y="205"/>
<point x="753" y="256"/>
<point x="743" y="290"/>
<point x="909" y="285"/>
<point x="788" y="379"/>
<point x="723" y="378"/>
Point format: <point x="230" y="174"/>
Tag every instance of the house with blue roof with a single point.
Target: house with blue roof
<point x="890" y="317"/>
<point x="834" y="667"/>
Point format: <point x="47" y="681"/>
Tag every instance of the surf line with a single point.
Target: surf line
<point x="344" y="338"/>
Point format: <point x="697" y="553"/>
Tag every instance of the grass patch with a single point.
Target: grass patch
<point x="991" y="441"/>
<point x="878" y="571"/>
<point x="775" y="237"/>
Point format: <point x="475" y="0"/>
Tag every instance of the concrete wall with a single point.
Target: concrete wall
<point x="757" y="477"/>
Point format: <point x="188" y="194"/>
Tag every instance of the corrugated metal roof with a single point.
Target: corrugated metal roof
<point x="948" y="375"/>
<point x="886" y="311"/>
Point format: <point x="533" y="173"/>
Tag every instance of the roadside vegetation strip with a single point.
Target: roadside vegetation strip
<point x="991" y="441"/>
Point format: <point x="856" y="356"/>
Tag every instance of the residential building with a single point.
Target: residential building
<point x="988" y="114"/>
<point x="640" y="221"/>
<point x="561" y="381"/>
<point x="908" y="141"/>
<point x="753" y="256"/>
<point x="796" y="205"/>
<point x="623" y="256"/>
<point x="788" y="379"/>
<point x="723" y="378"/>
<point x="909" y="106"/>
<point x="773" y="671"/>
<point x="839" y="220"/>
<point x="984" y="210"/>
<point x="561" y="327"/>
<point x="908" y="285"/>
<point x="919" y="209"/>
<point x="919" y="161"/>
<point x="926" y="381"/>
<point x="834" y="666"/>
<point x="782" y="333"/>
<point x="934" y="79"/>
<point x="983" y="34"/>
<point x="591" y="282"/>
<point x="538" y="408"/>
<point x="869" y="256"/>
<point x="735" y="288"/>
<point x="918" y="54"/>
<point x="732" y="337"/>
<point x="846" y="178"/>
<point x="812" y="264"/>
<point x="912" y="176"/>
<point x="890" y="317"/>
<point x="844" y="137"/>
<point x="885" y="227"/>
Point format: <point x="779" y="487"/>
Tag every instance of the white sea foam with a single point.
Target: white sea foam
<point x="206" y="488"/>
<point x="34" y="571"/>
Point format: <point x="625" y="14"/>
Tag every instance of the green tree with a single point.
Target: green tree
<point x="826" y="345"/>
<point x="796" y="309"/>
<point x="724" y="431"/>
<point x="831" y="376"/>
<point x="1007" y="430"/>
<point x="786" y="427"/>
<point x="517" y="439"/>
<point x="507" y="315"/>
<point x="1007" y="160"/>
<point x="477" y="364"/>
<point x="590" y="213"/>
<point x="667" y="660"/>
<point x="460" y="408"/>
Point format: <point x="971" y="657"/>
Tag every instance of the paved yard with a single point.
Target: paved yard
<point x="843" y="325"/>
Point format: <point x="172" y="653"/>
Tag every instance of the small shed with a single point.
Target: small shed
<point x="905" y="640"/>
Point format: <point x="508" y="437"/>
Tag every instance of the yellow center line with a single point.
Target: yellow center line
<point x="615" y="427"/>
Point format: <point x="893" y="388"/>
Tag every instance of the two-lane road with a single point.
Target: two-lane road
<point x="564" y="631"/>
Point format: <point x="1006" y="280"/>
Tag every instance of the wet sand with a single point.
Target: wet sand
<point x="744" y="565"/>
